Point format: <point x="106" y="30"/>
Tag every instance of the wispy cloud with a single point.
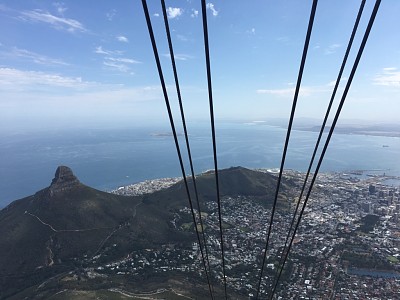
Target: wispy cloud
<point x="59" y="23"/>
<point x="111" y="14"/>
<point x="183" y="57"/>
<point x="252" y="31"/>
<point x="283" y="39"/>
<point x="123" y="60"/>
<point x="211" y="7"/>
<point x="26" y="55"/>
<point x="45" y="97"/>
<point x="279" y="92"/>
<point x="113" y="60"/>
<point x="332" y="49"/>
<point x="195" y="13"/>
<point x="156" y="15"/>
<point x="174" y="12"/>
<point x="388" y="77"/>
<point x="11" y="78"/>
<point x="333" y="82"/>
<point x="61" y="8"/>
<point x="19" y="85"/>
<point x="182" y="38"/>
<point x="122" y="38"/>
<point x="305" y="91"/>
<point x="123" y="68"/>
<point x="100" y="50"/>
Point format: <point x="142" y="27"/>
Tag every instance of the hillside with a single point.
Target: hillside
<point x="233" y="181"/>
<point x="69" y="225"/>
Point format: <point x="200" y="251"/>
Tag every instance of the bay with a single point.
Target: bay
<point x="106" y="158"/>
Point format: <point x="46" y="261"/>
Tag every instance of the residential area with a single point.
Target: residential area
<point x="347" y="245"/>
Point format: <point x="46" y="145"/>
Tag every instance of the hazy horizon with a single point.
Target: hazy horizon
<point x="65" y="63"/>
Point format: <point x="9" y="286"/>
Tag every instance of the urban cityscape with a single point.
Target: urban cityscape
<point x="347" y="245"/>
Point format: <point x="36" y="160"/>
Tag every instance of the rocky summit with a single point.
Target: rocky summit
<point x="68" y="236"/>
<point x="64" y="180"/>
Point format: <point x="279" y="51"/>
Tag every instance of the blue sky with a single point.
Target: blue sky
<point x="91" y="63"/>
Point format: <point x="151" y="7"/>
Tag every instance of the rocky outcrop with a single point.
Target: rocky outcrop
<point x="64" y="180"/>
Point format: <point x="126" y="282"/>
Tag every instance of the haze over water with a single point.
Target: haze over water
<point x="108" y="158"/>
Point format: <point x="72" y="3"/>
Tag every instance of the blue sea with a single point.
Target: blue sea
<point x="108" y="158"/>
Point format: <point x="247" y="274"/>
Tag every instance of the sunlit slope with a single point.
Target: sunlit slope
<point x="67" y="224"/>
<point x="232" y="182"/>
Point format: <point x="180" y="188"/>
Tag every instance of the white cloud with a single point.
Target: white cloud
<point x="100" y="50"/>
<point x="195" y="13"/>
<point x="58" y="23"/>
<point x="278" y="92"/>
<point x="122" y="38"/>
<point x="61" y="8"/>
<point x="111" y="14"/>
<point x="388" y="77"/>
<point x="174" y="12"/>
<point x="116" y="66"/>
<point x="123" y="60"/>
<point x="156" y="15"/>
<point x="283" y="39"/>
<point x="182" y="38"/>
<point x="14" y="79"/>
<point x="252" y="31"/>
<point x="183" y="57"/>
<point x="332" y="49"/>
<point x="390" y="69"/>
<point x="118" y="63"/>
<point x="305" y="91"/>
<point x="210" y="6"/>
<point x="30" y="98"/>
<point x="111" y="94"/>
<point x="333" y="82"/>
<point x="24" y="54"/>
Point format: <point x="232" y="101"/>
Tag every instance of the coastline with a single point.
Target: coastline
<point x="154" y="185"/>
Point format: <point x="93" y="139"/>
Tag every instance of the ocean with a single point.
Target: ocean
<point x="109" y="158"/>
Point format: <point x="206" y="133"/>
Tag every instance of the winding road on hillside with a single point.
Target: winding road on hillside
<point x="115" y="230"/>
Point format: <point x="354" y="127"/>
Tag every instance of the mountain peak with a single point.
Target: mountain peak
<point x="63" y="180"/>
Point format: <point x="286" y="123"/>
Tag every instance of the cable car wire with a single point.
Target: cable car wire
<point x="178" y="91"/>
<point x="352" y="73"/>
<point x="355" y="27"/>
<point x="210" y="98"/>
<point x="171" y="120"/>
<point x="302" y="64"/>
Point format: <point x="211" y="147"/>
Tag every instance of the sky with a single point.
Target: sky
<point x="90" y="63"/>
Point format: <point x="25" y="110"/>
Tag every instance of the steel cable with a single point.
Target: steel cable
<point x="171" y="120"/>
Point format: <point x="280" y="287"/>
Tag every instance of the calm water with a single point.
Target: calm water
<point x="106" y="159"/>
<point x="373" y="273"/>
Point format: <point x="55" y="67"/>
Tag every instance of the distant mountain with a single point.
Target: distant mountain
<point x="391" y="130"/>
<point x="58" y="228"/>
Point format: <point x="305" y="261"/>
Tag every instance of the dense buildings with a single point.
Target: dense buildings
<point x="347" y="245"/>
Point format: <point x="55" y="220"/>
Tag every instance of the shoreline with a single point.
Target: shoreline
<point x="153" y="185"/>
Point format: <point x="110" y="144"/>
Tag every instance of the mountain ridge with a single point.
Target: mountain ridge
<point x="67" y="224"/>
